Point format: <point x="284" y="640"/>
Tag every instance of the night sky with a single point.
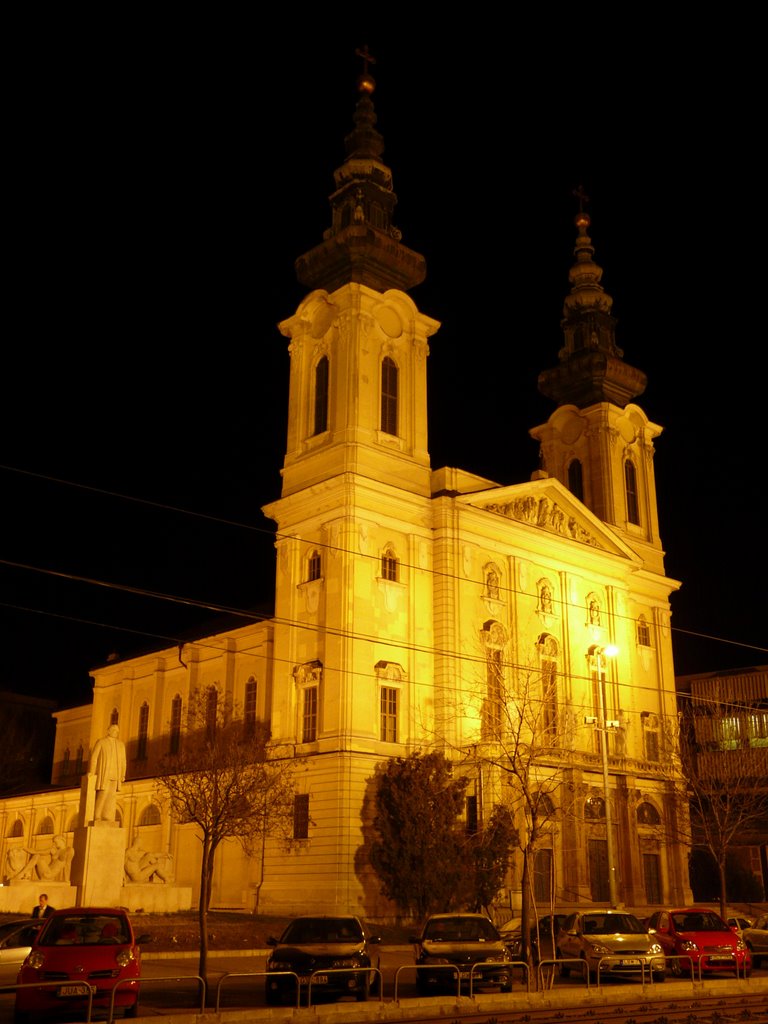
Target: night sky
<point x="164" y="182"/>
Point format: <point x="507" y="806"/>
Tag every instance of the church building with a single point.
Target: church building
<point x="521" y="626"/>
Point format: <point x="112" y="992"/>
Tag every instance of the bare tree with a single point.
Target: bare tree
<point x="226" y="779"/>
<point x="726" y="783"/>
<point x="523" y="741"/>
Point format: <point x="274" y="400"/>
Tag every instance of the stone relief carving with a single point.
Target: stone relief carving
<point x="310" y="674"/>
<point x="142" y="866"/>
<point x="51" y="865"/>
<point x="545" y="514"/>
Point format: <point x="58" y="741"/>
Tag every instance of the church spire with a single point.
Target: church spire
<point x="362" y="245"/>
<point x="592" y="368"/>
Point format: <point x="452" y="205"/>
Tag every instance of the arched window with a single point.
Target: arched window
<point x="315" y="566"/>
<point x="643" y="631"/>
<point x="150" y="815"/>
<point x="388" y="396"/>
<point x="389" y="565"/>
<point x="647" y="814"/>
<point x="175" y="730"/>
<point x="492" y="711"/>
<point x="576" y="479"/>
<point x="546" y="602"/>
<point x="630" y="487"/>
<point x="492" y="582"/>
<point x="321" y="396"/>
<point x="73" y="822"/>
<point x="545" y="809"/>
<point x="141" y="743"/>
<point x="548" y="664"/>
<point x="114" y="717"/>
<point x="594" y="808"/>
<point x="309" y="714"/>
<point x="45" y="828"/>
<point x="16" y="830"/>
<point x="249" y="707"/>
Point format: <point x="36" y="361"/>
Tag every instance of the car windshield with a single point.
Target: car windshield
<point x="80" y="930"/>
<point x="308" y="930"/>
<point x="701" y="921"/>
<point x="460" y="929"/>
<point x="611" y="924"/>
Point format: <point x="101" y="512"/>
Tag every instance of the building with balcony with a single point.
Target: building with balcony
<point x="724" y="718"/>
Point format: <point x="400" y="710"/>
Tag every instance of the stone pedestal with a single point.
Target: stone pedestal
<point x="20" y="897"/>
<point x="155" y="898"/>
<point x="98" y="864"/>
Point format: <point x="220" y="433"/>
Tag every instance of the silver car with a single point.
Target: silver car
<point x="756" y="939"/>
<point x="16" y="940"/>
<point x="610" y="941"/>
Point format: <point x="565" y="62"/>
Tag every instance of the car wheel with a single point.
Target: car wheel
<point x="565" y="971"/>
<point x="676" y="968"/>
<point x="132" y="1011"/>
<point x="362" y="993"/>
<point x="659" y="976"/>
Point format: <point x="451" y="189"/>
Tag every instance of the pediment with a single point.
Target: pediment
<point x="549" y="506"/>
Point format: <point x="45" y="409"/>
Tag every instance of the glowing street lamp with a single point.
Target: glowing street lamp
<point x="605" y="726"/>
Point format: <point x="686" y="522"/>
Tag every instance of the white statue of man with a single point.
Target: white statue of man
<point x="108" y="765"/>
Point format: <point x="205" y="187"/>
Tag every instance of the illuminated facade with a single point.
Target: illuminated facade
<point x="418" y="608"/>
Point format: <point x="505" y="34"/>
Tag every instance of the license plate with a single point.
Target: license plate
<point x="320" y="979"/>
<point x="72" y="990"/>
<point x="464" y="974"/>
<point x="629" y="963"/>
<point x="721" y="959"/>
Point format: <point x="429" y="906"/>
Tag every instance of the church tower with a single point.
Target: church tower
<point x="353" y="607"/>
<point x="598" y="443"/>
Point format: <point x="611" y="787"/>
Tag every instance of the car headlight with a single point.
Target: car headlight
<point x="599" y="949"/>
<point x="655" y="948"/>
<point x="689" y="946"/>
<point x="124" y="957"/>
<point x="740" y="944"/>
<point x="279" y="965"/>
<point x="496" y="958"/>
<point x="35" y="960"/>
<point x="348" y="961"/>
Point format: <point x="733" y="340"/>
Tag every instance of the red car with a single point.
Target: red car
<point x="77" y="948"/>
<point x="699" y="937"/>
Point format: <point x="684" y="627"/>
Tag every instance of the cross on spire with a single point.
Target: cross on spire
<point x="367" y="58"/>
<point x="582" y="196"/>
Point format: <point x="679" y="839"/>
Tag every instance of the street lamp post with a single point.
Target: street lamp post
<point x="604" y="726"/>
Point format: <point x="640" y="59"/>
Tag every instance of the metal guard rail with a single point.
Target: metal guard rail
<point x="457" y="972"/>
<point x="91" y="989"/>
